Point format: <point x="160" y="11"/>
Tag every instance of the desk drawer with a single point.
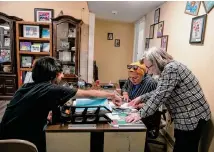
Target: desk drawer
<point x="9" y="81"/>
<point x="9" y="89"/>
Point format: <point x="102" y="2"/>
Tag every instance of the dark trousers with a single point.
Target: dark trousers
<point x="188" y="141"/>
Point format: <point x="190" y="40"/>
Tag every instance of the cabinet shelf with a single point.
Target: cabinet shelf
<point x="34" y="39"/>
<point x="34" y="53"/>
<point x="26" y="69"/>
<point x="68" y="62"/>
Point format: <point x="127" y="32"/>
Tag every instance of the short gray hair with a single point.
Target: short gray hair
<point x="157" y="57"/>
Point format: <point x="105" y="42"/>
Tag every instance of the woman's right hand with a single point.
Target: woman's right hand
<point x="126" y="97"/>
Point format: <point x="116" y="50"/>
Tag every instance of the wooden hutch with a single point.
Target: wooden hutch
<point x="66" y="45"/>
<point x="8" y="70"/>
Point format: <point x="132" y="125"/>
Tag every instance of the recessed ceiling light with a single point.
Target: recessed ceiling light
<point x="114" y="12"/>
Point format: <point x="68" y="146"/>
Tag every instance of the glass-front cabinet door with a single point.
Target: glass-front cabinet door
<point x="5" y="47"/>
<point x="66" y="44"/>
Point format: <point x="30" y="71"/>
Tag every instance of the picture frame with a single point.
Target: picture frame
<point x="31" y="31"/>
<point x="147" y="43"/>
<point x="208" y="5"/>
<point x="5" y="55"/>
<point x="26" y="61"/>
<point x="36" y="48"/>
<point x="192" y="7"/>
<point x="45" y="33"/>
<point x="160" y="29"/>
<point x="43" y="14"/>
<point x="110" y="36"/>
<point x="164" y="42"/>
<point x="197" y="31"/>
<point x="151" y="31"/>
<point x="117" y="43"/>
<point x="25" y="46"/>
<point x="157" y="16"/>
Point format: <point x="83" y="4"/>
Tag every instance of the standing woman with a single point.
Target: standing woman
<point x="180" y="91"/>
<point x="138" y="82"/>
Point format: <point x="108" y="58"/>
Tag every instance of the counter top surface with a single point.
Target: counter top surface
<point x="99" y="128"/>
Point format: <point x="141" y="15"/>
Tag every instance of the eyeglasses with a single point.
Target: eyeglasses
<point x="148" y="67"/>
<point x="135" y="67"/>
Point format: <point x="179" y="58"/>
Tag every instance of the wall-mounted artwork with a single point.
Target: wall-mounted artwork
<point x="208" y="5"/>
<point x="43" y="14"/>
<point x="147" y="44"/>
<point x="151" y="31"/>
<point x="198" y="29"/>
<point x="110" y="36"/>
<point x="192" y="7"/>
<point x="117" y="43"/>
<point x="160" y="29"/>
<point x="157" y="16"/>
<point x="164" y="42"/>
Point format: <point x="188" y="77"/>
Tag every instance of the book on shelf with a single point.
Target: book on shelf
<point x="45" y="33"/>
<point x="25" y="46"/>
<point x="36" y="47"/>
<point x="27" y="77"/>
<point x="26" y="61"/>
<point x="45" y="47"/>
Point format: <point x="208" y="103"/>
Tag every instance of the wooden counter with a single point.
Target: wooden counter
<point x="102" y="139"/>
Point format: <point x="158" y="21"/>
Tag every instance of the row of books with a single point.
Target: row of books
<point x="35" y="47"/>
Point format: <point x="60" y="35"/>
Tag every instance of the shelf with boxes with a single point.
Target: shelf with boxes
<point x="33" y="40"/>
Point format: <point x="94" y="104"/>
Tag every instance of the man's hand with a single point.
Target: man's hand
<point x="117" y="100"/>
<point x="133" y="117"/>
<point x="135" y="102"/>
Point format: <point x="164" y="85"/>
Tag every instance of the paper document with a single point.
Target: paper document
<point x="92" y="102"/>
<point x="113" y="117"/>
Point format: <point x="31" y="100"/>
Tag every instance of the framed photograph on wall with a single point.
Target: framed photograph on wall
<point x="192" y="7"/>
<point x="164" y="42"/>
<point x="147" y="44"/>
<point x="208" y="5"/>
<point x="43" y="14"/>
<point x="151" y="31"/>
<point x="31" y="31"/>
<point x="160" y="29"/>
<point x="117" y="43"/>
<point x="157" y="16"/>
<point x="198" y="29"/>
<point x="110" y="36"/>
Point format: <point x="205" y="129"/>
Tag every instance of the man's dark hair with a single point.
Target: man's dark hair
<point x="46" y="69"/>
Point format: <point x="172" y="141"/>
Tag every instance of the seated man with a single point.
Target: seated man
<point x="26" y="114"/>
<point x="138" y="83"/>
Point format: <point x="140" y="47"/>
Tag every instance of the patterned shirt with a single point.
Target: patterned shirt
<point x="148" y="84"/>
<point x="182" y="94"/>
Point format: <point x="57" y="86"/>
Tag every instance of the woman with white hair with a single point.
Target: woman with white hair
<point x="180" y="91"/>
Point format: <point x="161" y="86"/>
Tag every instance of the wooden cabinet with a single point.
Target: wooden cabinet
<point x="7" y="86"/>
<point x="66" y="45"/>
<point x="44" y="39"/>
<point x="8" y="71"/>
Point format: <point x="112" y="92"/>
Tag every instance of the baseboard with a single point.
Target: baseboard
<point x="168" y="138"/>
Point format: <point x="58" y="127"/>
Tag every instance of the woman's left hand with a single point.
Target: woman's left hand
<point x="134" y="117"/>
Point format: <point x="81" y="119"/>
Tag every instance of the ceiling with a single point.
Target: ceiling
<point x="127" y="11"/>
